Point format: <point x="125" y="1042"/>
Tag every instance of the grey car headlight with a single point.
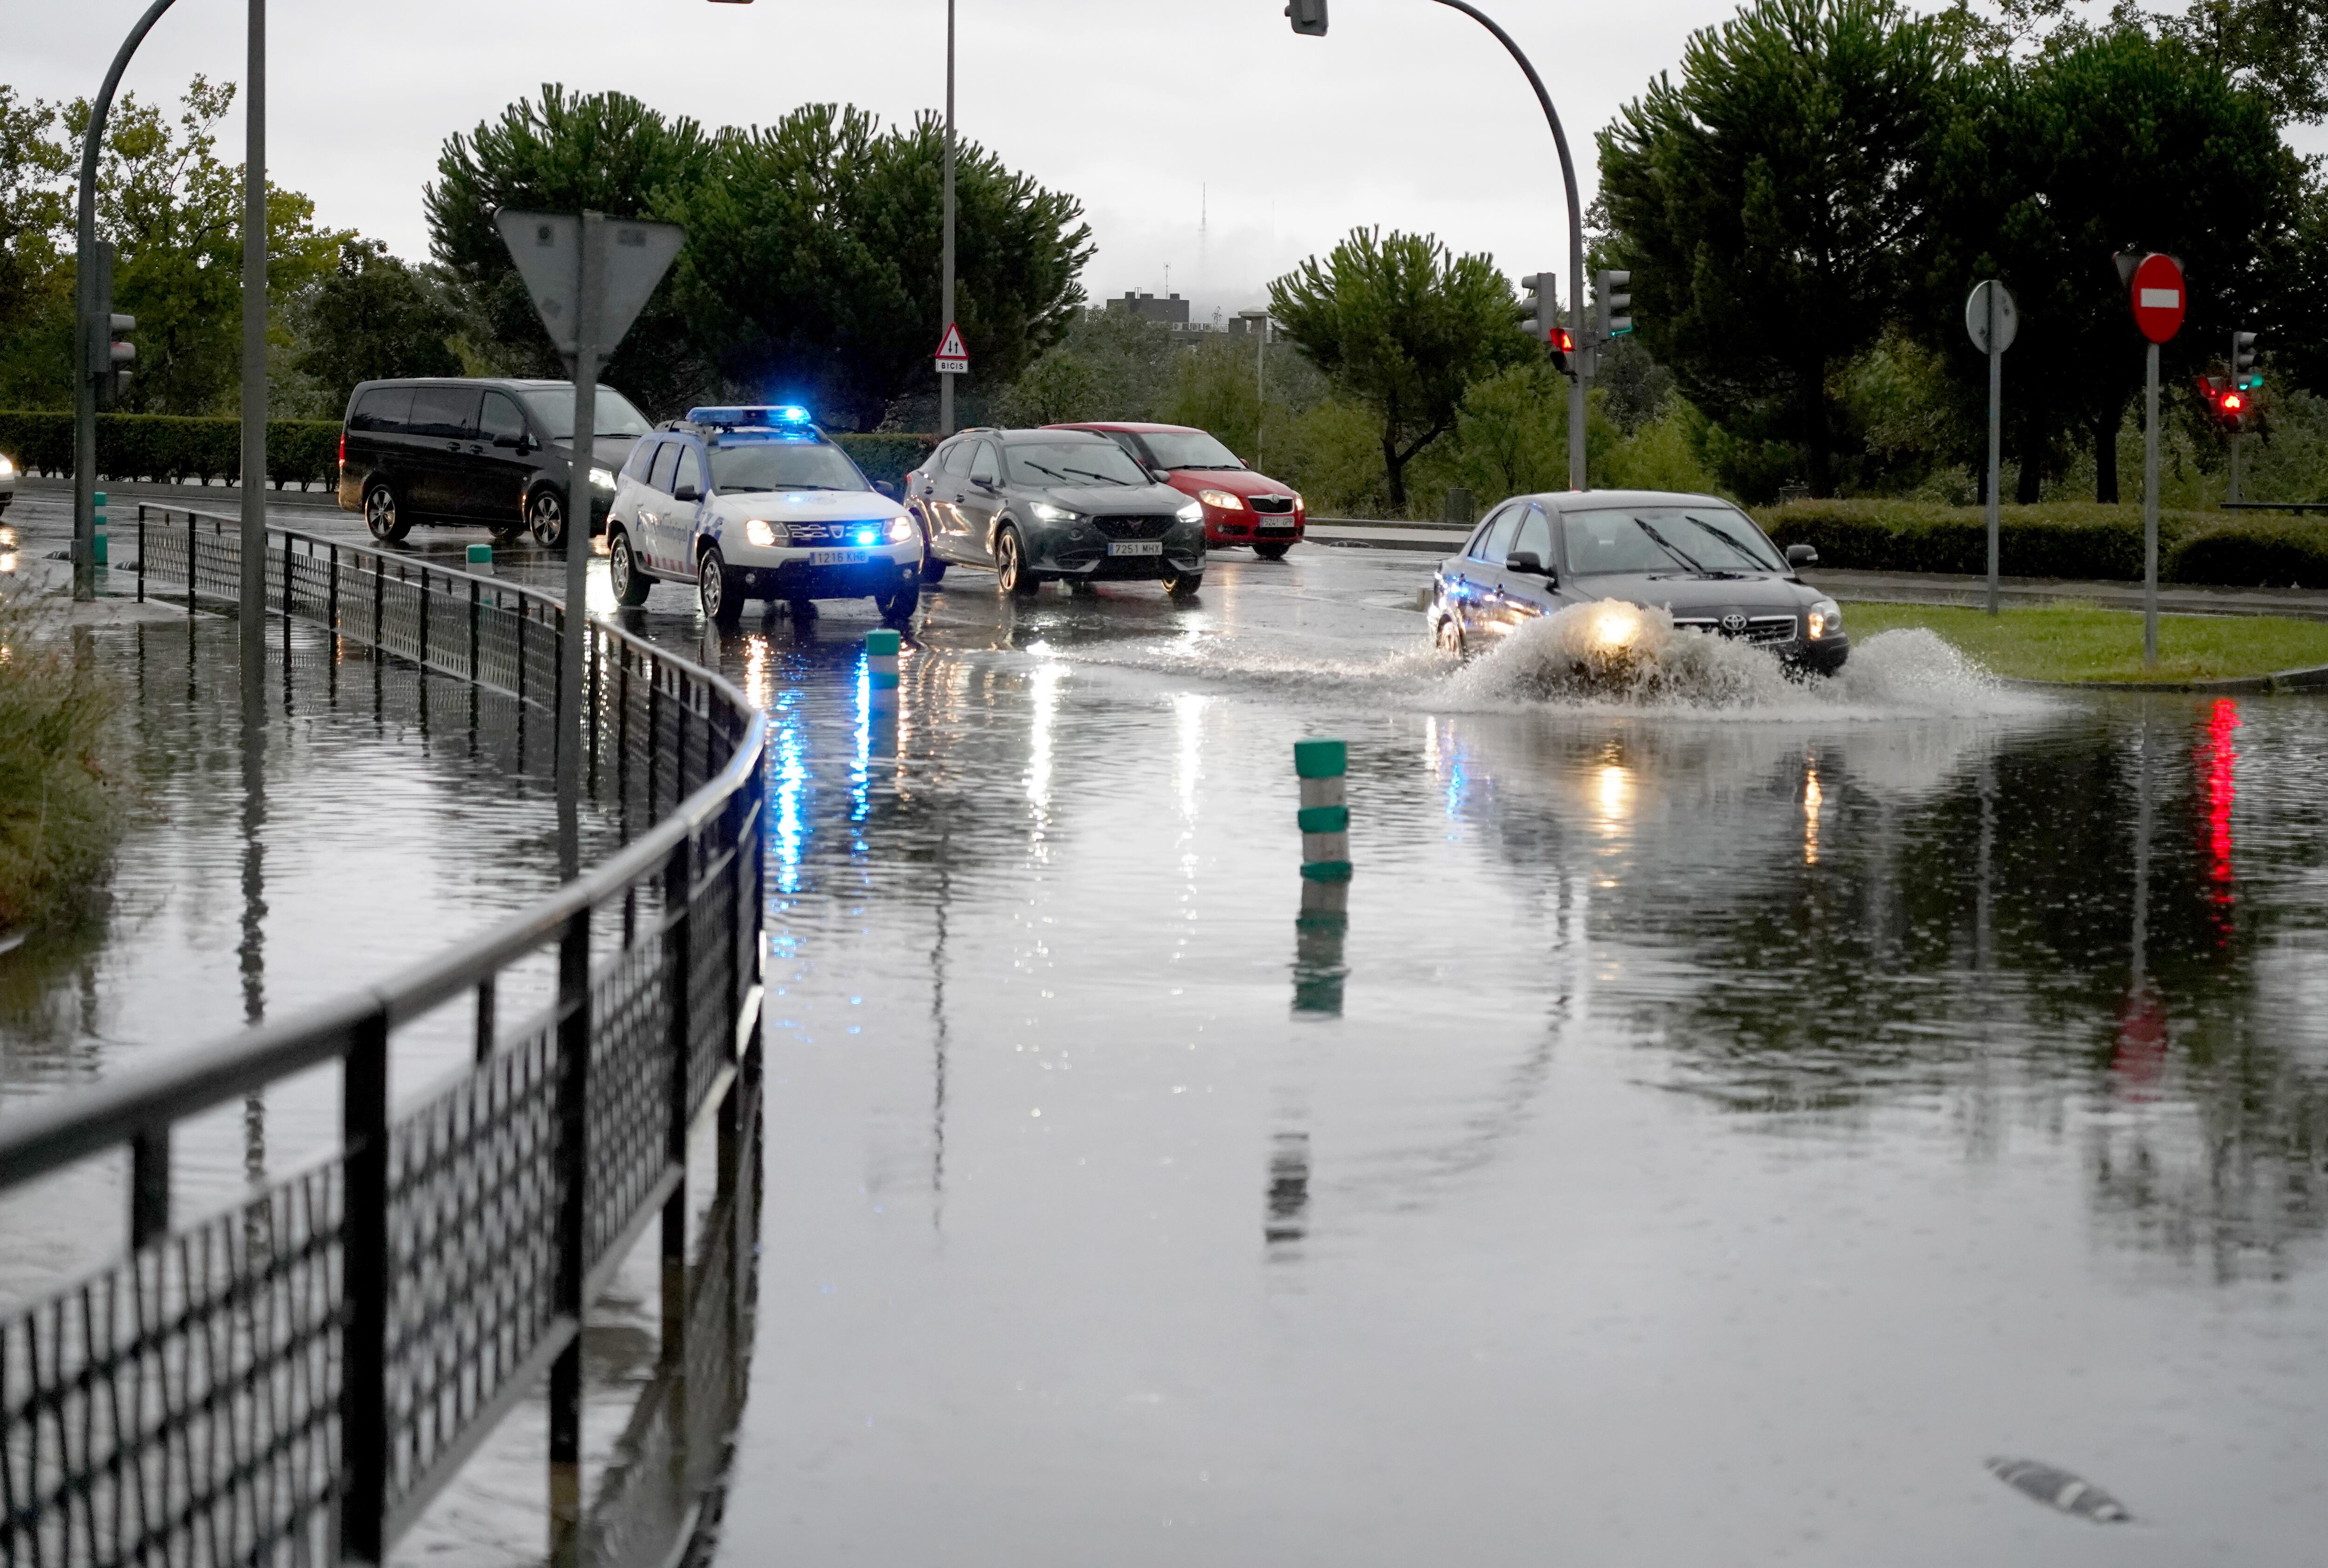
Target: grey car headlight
<point x="1192" y="512"/>
<point x="1043" y="512"/>
<point x="1826" y="620"/>
<point x="603" y="478"/>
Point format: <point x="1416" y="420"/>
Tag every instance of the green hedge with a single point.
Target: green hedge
<point x="885" y="455"/>
<point x="163" y="447"/>
<point x="2077" y="540"/>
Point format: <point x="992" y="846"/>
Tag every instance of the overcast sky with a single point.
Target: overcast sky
<point x="1207" y="142"/>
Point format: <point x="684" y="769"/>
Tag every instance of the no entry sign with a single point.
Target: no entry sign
<point x="2158" y="296"/>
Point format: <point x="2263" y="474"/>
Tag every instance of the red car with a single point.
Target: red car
<point x="1241" y="507"/>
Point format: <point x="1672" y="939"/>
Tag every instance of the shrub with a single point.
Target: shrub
<point x="164" y="446"/>
<point x="883" y="454"/>
<point x="59" y="794"/>
<point x="2262" y="551"/>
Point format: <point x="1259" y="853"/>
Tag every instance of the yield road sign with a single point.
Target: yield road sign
<point x="2007" y="317"/>
<point x="2159" y="297"/>
<point x="632" y="258"/>
<point x="953" y="354"/>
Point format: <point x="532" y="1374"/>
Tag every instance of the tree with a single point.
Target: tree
<point x="605" y="153"/>
<point x="373" y="317"/>
<point x="1771" y="205"/>
<point x="2120" y="142"/>
<point x="1403" y="329"/>
<point x="35" y="278"/>
<point x="812" y="267"/>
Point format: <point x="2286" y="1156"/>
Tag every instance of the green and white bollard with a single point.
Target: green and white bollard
<point x="99" y="552"/>
<point x="881" y="652"/>
<point x="480" y="560"/>
<point x="1322" y="766"/>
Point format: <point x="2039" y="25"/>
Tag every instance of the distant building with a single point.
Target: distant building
<point x="1171" y="310"/>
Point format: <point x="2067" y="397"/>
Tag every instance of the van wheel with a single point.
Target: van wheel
<point x="1010" y="568"/>
<point x="382" y="516"/>
<point x="718" y="592"/>
<point x="545" y="517"/>
<point x="631" y="584"/>
<point x="897" y="608"/>
<point x="1272" y="552"/>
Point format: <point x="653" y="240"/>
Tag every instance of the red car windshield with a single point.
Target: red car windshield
<point x="1187" y="449"/>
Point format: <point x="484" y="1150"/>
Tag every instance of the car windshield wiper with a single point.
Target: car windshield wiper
<point x="1101" y="478"/>
<point x="1667" y="545"/>
<point x="1753" y="561"/>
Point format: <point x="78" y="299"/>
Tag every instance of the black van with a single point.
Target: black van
<point x="490" y="451"/>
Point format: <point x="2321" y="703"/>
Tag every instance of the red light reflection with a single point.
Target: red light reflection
<point x="2217" y="758"/>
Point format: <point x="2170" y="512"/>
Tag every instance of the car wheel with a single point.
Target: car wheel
<point x="718" y="591"/>
<point x="1010" y="567"/>
<point x="1272" y="552"/>
<point x="1184" y="585"/>
<point x="631" y="584"/>
<point x="382" y="515"/>
<point x="899" y="605"/>
<point x="545" y="518"/>
<point x="1448" y="636"/>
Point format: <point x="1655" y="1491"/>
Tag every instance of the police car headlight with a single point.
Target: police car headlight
<point x="603" y="478"/>
<point x="1192" y="512"/>
<point x="1222" y="499"/>
<point x="6" y="468"/>
<point x="901" y="529"/>
<point x="1826" y="620"/>
<point x="759" y="531"/>
<point x="1043" y="512"/>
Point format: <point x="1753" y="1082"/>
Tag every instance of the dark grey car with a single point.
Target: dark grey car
<point x="1698" y="558"/>
<point x="477" y="451"/>
<point x="1040" y="506"/>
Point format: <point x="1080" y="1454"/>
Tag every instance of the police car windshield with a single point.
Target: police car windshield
<point x="739" y="467"/>
<point x="1665" y="539"/>
<point x="1098" y="461"/>
<point x="553" y="410"/>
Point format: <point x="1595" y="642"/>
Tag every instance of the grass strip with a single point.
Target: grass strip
<point x="61" y="789"/>
<point x="2083" y="642"/>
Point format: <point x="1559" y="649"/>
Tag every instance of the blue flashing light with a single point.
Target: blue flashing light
<point x="867" y="536"/>
<point x="756" y="418"/>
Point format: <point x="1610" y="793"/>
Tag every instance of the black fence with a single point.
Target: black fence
<point x="294" y="1379"/>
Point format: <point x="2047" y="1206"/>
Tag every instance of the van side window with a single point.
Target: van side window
<point x="501" y="416"/>
<point x="666" y="464"/>
<point x="690" y="468"/>
<point x="384" y="410"/>
<point x="985" y="469"/>
<point x="444" y="413"/>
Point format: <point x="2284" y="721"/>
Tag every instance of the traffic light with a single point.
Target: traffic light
<point x="1539" y="316"/>
<point x="1309" y="16"/>
<point x="108" y="357"/>
<point x="2245" y="376"/>
<point x="1614" y="290"/>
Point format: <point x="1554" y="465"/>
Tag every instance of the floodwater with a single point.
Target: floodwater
<point x="1716" y="1131"/>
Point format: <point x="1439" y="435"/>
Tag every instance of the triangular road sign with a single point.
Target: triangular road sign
<point x="632" y="258"/>
<point x="953" y="354"/>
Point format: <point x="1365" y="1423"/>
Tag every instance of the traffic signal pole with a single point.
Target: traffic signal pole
<point x="86" y="369"/>
<point x="252" y="612"/>
<point x="945" y="282"/>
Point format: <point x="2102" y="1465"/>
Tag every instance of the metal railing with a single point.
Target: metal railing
<point x="304" y="1372"/>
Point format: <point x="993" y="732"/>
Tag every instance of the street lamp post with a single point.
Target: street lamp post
<point x="1309" y="18"/>
<point x="252" y="611"/>
<point x="1259" y="320"/>
<point x="86" y="368"/>
<point x="945" y="284"/>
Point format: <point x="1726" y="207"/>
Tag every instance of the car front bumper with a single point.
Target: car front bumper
<point x="1252" y="528"/>
<point x="1824" y="657"/>
<point x="781" y="574"/>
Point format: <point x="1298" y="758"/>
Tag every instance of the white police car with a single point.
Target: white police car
<point x="756" y="503"/>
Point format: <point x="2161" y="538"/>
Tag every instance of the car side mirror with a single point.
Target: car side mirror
<point x="886" y="488"/>
<point x="984" y="486"/>
<point x="1802" y="555"/>
<point x="687" y="493"/>
<point x="1528" y="561"/>
<point x="506" y="439"/>
<point x="1161" y="476"/>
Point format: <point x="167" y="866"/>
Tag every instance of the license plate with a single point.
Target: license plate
<point x="1136" y="547"/>
<point x="838" y="557"/>
<point x="1268" y="527"/>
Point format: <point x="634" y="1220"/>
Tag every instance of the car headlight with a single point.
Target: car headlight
<point x="1298" y="505"/>
<point x="1826" y="620"/>
<point x="7" y="469"/>
<point x="901" y="529"/>
<point x="603" y="478"/>
<point x="759" y="531"/>
<point x="1043" y="512"/>
<point x="1192" y="512"/>
<point x="1222" y="499"/>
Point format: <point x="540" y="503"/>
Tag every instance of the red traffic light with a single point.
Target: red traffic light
<point x="1563" y="342"/>
<point x="2232" y="403"/>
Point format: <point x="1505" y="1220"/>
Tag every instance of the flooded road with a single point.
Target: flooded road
<point x="1712" y="1134"/>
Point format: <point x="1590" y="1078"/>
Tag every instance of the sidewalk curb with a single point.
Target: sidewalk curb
<point x="2312" y="678"/>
